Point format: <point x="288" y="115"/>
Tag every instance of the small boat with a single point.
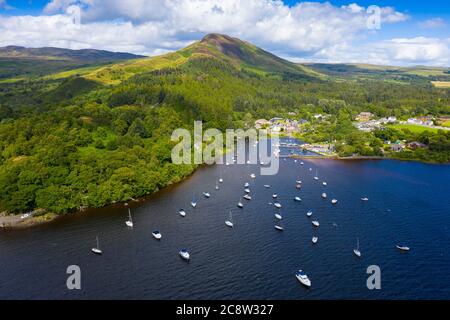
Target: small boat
<point x="314" y="240"/>
<point x="129" y="222"/>
<point x="246" y="185"/>
<point x="247" y="190"/>
<point x="402" y="248"/>
<point x="316" y="223"/>
<point x="356" y="251"/>
<point x="302" y="163"/>
<point x="184" y="254"/>
<point x="182" y="212"/>
<point x="279" y="228"/>
<point x="309" y="214"/>
<point x="303" y="278"/>
<point x="220" y="180"/>
<point x="247" y="197"/>
<point x="316" y="177"/>
<point x="267" y="186"/>
<point x="298" y="186"/>
<point x="364" y="199"/>
<point x="253" y="176"/>
<point x="298" y="182"/>
<point x="277" y="205"/>
<point x="334" y="201"/>
<point x="324" y="195"/>
<point x="240" y="204"/>
<point x="310" y="169"/>
<point x="193" y="202"/>
<point x="217" y="186"/>
<point x="97" y="249"/>
<point x="206" y="194"/>
<point x="324" y="183"/>
<point x="274" y="196"/>
<point x="157" y="235"/>
<point x="298" y="199"/>
<point x="278" y="216"/>
<point x="229" y="222"/>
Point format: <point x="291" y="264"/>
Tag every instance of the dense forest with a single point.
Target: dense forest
<point x="71" y="142"/>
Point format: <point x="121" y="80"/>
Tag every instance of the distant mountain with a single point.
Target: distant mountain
<point x="20" y="62"/>
<point x="233" y="52"/>
<point x="49" y="53"/>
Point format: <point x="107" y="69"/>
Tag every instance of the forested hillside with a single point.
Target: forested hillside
<point x="99" y="136"/>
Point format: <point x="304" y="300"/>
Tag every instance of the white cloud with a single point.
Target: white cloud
<point x="432" y="23"/>
<point x="4" y="5"/>
<point x="308" y="29"/>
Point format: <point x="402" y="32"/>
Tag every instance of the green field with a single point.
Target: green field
<point x="414" y="128"/>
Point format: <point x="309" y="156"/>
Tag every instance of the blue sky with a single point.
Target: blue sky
<point x="412" y="32"/>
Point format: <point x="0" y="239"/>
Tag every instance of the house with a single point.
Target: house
<point x="364" y="116"/>
<point x="397" y="146"/>
<point x="261" y="123"/>
<point x="416" y="145"/>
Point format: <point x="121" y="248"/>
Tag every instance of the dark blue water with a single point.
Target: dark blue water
<point x="409" y="204"/>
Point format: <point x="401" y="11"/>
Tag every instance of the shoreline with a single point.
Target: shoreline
<point x="15" y="222"/>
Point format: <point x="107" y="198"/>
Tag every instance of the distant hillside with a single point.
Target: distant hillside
<point x="403" y="74"/>
<point x="18" y="62"/>
<point x="49" y="53"/>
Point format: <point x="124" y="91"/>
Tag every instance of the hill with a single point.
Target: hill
<point x="19" y="62"/>
<point x="232" y="51"/>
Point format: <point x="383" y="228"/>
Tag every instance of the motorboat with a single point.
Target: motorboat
<point x="303" y="278"/>
<point x="157" y="235"/>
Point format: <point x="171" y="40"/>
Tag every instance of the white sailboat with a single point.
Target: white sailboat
<point x="97" y="249"/>
<point x="334" y="201"/>
<point x="402" y="248"/>
<point x="279" y="227"/>
<point x="316" y="223"/>
<point x="220" y="179"/>
<point x="229" y="222"/>
<point x="324" y="183"/>
<point x="206" y="194"/>
<point x="129" y="222"/>
<point x="247" y="197"/>
<point x="364" y="199"/>
<point x="193" y="202"/>
<point x="253" y="176"/>
<point x="356" y="251"/>
<point x="240" y="204"/>
<point x="277" y="205"/>
<point x="324" y="195"/>
<point x="182" y="212"/>
<point x="247" y="190"/>
<point x="309" y="214"/>
<point x="267" y="186"/>
<point x="316" y="177"/>
<point x="246" y="185"/>
<point x="298" y="199"/>
<point x="217" y="186"/>
<point x="314" y="240"/>
<point x="274" y="196"/>
<point x="184" y="254"/>
<point x="302" y="163"/>
<point x="278" y="216"/>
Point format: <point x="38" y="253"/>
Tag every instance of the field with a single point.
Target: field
<point x="441" y="84"/>
<point x="414" y="128"/>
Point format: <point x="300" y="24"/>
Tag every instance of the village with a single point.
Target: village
<point x="364" y="121"/>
